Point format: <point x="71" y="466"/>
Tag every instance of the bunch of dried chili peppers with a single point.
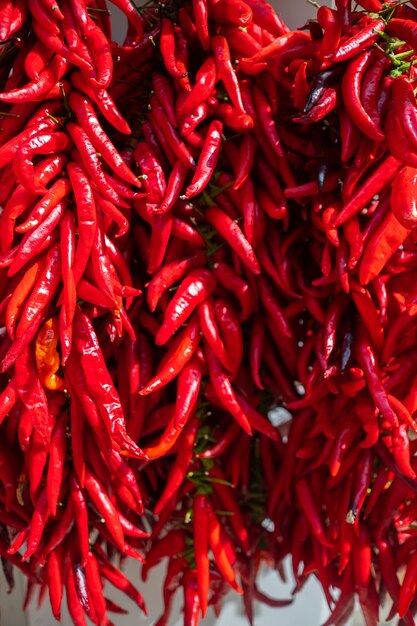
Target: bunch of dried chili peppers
<point x="208" y="304"/>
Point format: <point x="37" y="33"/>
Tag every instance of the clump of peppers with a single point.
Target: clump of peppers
<point x="205" y="226"/>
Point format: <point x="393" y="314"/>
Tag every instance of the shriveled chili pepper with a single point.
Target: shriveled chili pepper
<point x="47" y="358"/>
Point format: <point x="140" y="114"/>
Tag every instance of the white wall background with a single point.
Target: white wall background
<point x="309" y="609"/>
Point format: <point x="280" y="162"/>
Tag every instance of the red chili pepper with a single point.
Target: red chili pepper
<point x="177" y="357"/>
<point x="86" y="217"/>
<point x="224" y="390"/>
<point x="362" y="40"/>
<point x="351" y="90"/>
<point x="401" y="450"/>
<point x="201" y="15"/>
<point x="207" y="161"/>
<point x="237" y="286"/>
<point x="99" y="46"/>
<point x="231" y="505"/>
<point x="217" y="546"/>
<point x="105" y="507"/>
<point x="104" y="102"/>
<point x="61" y="530"/>
<point x="38" y="522"/>
<point x="201" y="546"/>
<point x="374" y="185"/>
<point x="37" y="303"/>
<point x="180" y="467"/>
<point x="308" y="507"/>
<point x="56" y="464"/>
<point x="171" y="136"/>
<point x="228" y="229"/>
<point x="55" y="584"/>
<point x="41" y="143"/>
<point x="408" y="587"/>
<point x="205" y="81"/>
<point x="152" y="172"/>
<point x="278" y="46"/>
<point x="387" y="238"/>
<point x="403" y="201"/>
<point x="226" y="72"/>
<point x="236" y="13"/>
<point x="80" y="515"/>
<point x="405" y="107"/>
<point x="193" y="290"/>
<point x="100" y="384"/>
<point x="88" y="121"/>
<point x="266" y="121"/>
<point x="324" y="106"/>
<point x="367" y="361"/>
<point x="39" y="89"/>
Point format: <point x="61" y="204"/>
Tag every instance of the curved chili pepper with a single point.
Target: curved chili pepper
<point x="170" y="134"/>
<point x="205" y="81"/>
<point x="328" y="20"/>
<point x="351" y="89"/>
<point x="367" y="361"/>
<point x="180" y="466"/>
<point x="37" y="303"/>
<point x="104" y="102"/>
<point x="323" y="107"/>
<point x="211" y="332"/>
<point x="278" y="46"/>
<point x="226" y="72"/>
<point x="105" y="507"/>
<point x="266" y="121"/>
<point x="39" y="88"/>
<point x="228" y="229"/>
<point x="176" y="358"/>
<point x="88" y="121"/>
<point x="167" y="45"/>
<point x="100" y="384"/>
<point x="219" y="552"/>
<point x="41" y="143"/>
<point x="374" y="185"/>
<point x="195" y="288"/>
<point x="56" y="464"/>
<point x="38" y="522"/>
<point x="358" y="42"/>
<point x="207" y="161"/>
<point x="388" y="236"/>
<point x="224" y="390"/>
